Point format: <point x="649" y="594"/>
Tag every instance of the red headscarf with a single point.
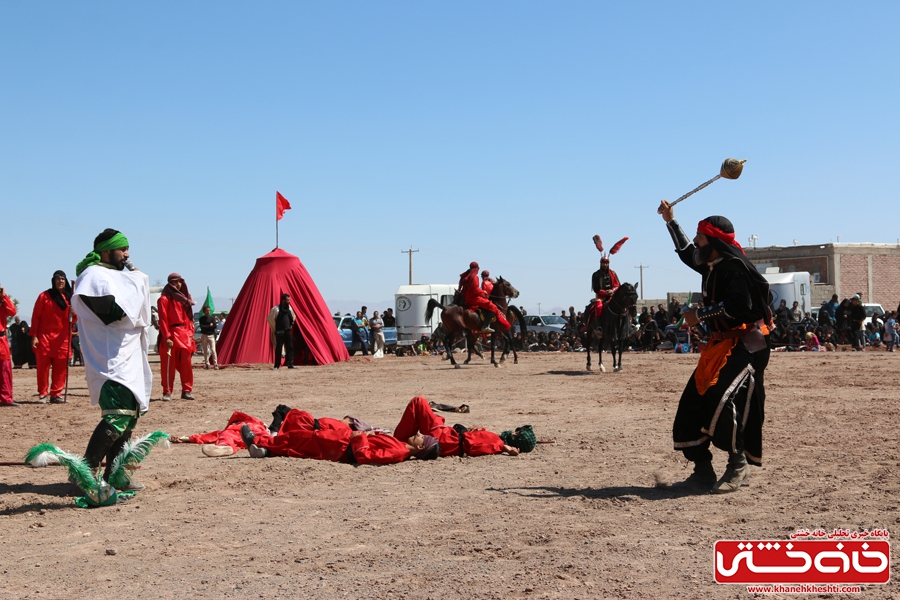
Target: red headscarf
<point x="182" y="295"/>
<point x="712" y="231"/>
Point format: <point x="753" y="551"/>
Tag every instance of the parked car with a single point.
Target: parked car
<point x="343" y="325"/>
<point x="545" y="323"/>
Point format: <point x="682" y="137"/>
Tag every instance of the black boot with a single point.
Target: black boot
<point x="104" y="436"/>
<point x="249" y="437"/>
<point x="703" y="477"/>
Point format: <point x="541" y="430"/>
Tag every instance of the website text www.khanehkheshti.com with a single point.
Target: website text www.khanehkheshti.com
<point x="803" y="588"/>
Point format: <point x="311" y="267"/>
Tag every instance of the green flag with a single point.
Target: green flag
<point x="208" y="302"/>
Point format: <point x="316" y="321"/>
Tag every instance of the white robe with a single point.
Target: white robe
<point x="118" y="351"/>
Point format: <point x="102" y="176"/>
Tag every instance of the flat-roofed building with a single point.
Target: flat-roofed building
<point x="870" y="270"/>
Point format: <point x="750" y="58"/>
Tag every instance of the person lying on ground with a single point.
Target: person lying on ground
<point x="302" y="436"/>
<point x="458" y="440"/>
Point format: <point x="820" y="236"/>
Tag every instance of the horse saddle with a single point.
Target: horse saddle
<point x="486" y="316"/>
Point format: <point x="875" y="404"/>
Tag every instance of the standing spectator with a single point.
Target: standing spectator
<point x="176" y="330"/>
<point x="365" y="320"/>
<point x="832" y="307"/>
<point x="14" y="329"/>
<point x="23" y="353"/>
<point x="842" y="321"/>
<point x="388" y="318"/>
<point x="891" y="332"/>
<point x="208" y="338"/>
<point x="50" y="326"/>
<point x="796" y="313"/>
<point x="376" y="325"/>
<point x="662" y="317"/>
<point x="359" y="333"/>
<point x="7" y="311"/>
<point x="76" y="347"/>
<point x="281" y="323"/>
<point x="857" y="316"/>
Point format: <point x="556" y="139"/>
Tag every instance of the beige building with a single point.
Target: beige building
<point x="871" y="270"/>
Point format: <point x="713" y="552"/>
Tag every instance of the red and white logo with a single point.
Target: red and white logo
<point x="802" y="561"/>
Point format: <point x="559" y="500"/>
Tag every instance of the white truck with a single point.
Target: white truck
<point x="790" y="287"/>
<point x="410" y="302"/>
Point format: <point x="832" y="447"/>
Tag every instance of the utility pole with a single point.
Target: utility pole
<point x="539" y="308"/>
<point x="410" y="252"/>
<point x="642" y="267"/>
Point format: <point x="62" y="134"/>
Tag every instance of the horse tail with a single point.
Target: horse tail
<point x="429" y="310"/>
<point x="519" y="319"/>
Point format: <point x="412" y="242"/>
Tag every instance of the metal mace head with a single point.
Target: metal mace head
<point x="731" y="169"/>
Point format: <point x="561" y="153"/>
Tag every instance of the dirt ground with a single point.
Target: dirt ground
<point x="583" y="517"/>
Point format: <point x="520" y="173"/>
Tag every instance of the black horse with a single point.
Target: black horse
<point x="614" y="326"/>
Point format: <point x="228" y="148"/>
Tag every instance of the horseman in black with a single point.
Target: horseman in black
<point x="723" y="402"/>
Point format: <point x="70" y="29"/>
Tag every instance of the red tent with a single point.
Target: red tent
<point x="245" y="337"/>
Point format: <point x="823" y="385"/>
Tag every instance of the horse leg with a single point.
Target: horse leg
<point x="493" y="362"/>
<point x="451" y="341"/>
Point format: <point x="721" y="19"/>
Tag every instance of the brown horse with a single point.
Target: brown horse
<point x="458" y="320"/>
<point x="613" y="327"/>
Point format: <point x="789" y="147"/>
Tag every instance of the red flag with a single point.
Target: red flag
<point x="281" y="205"/>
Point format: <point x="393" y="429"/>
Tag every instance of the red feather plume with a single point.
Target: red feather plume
<point x="618" y="245"/>
<point x="599" y="243"/>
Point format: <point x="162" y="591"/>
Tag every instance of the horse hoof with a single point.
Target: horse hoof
<point x="457" y="367"/>
<point x="617" y="369"/>
<point x="602" y="369"/>
<point x="516" y="361"/>
<point x="588" y="368"/>
<point x="496" y="365"/>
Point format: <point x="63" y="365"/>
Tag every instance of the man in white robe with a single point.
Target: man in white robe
<point x="113" y="305"/>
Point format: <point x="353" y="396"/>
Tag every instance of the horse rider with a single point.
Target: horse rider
<point x="487" y="283"/>
<point x="604" y="280"/>
<point x="475" y="299"/>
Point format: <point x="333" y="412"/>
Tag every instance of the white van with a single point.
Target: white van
<point x="410" y="303"/>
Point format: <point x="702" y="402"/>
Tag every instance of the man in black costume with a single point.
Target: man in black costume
<point x="723" y="402"/>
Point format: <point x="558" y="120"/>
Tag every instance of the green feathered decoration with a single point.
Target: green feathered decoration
<point x="132" y="454"/>
<point x="79" y="471"/>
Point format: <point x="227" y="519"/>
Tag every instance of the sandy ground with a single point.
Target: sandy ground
<point x="580" y="518"/>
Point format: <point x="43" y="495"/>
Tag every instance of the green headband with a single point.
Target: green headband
<point x="93" y="258"/>
<point x="116" y="241"/>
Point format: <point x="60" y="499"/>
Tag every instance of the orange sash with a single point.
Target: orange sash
<point x="712" y="359"/>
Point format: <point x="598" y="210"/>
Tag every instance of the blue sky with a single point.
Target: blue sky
<point x="503" y="132"/>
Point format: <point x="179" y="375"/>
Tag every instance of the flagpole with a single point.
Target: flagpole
<point x="276" y="220"/>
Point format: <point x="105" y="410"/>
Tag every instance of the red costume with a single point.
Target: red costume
<point x="176" y="323"/>
<point x="487" y="283"/>
<point x="231" y="435"/>
<point x="50" y="326"/>
<point x="605" y="285"/>
<point x="299" y="437"/>
<point x="7" y="311"/>
<point x="419" y="418"/>
<point x="475" y="298"/>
